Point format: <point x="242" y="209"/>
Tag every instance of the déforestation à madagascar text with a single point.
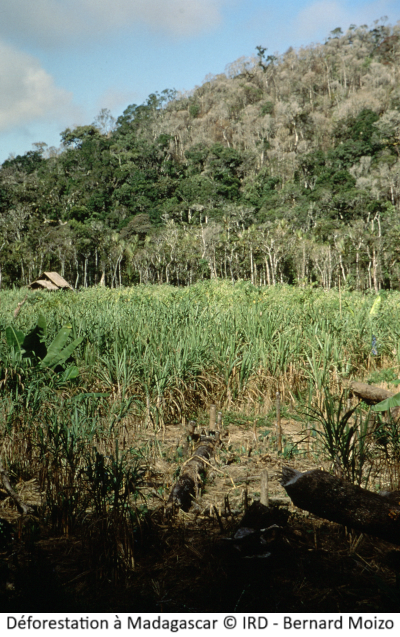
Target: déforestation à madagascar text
<point x="229" y="622"/>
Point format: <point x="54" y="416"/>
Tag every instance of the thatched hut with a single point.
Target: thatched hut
<point x="50" y="281"/>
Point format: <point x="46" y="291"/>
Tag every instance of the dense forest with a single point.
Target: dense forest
<point x="283" y="169"/>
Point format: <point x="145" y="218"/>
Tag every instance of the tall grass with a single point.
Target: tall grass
<point x="182" y="347"/>
<point x="342" y="432"/>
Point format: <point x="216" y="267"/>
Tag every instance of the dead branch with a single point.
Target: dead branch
<point x="19" y="306"/>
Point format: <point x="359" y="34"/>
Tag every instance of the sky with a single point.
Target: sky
<point x="62" y="61"/>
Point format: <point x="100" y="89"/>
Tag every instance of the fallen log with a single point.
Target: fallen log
<point x="190" y="479"/>
<point x="339" y="501"/>
<point x="372" y="395"/>
<point x="369" y="393"/>
<point x="393" y="496"/>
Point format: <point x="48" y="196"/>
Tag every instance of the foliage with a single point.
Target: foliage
<point x="212" y="338"/>
<point x="389" y="403"/>
<point x="284" y="169"/>
<point x="27" y="358"/>
<point x="342" y="431"/>
<point x="387" y="435"/>
<point x="113" y="479"/>
<point x="389" y="375"/>
<point x="150" y="356"/>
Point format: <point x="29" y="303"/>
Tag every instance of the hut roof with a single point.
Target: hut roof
<point x="57" y="280"/>
<point x="42" y="283"/>
<point x="50" y="281"/>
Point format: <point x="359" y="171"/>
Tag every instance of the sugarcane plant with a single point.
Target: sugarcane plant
<point x="342" y="433"/>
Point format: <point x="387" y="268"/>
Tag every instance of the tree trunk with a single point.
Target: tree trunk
<point x="339" y="501"/>
<point x="77" y="276"/>
<point x="368" y="393"/>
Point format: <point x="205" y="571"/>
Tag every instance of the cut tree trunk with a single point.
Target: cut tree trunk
<point x="339" y="501"/>
<point x="190" y="479"/>
<point x="368" y="393"/>
<point x="372" y="395"/>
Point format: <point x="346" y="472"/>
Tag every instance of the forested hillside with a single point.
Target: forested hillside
<point x="283" y="169"/>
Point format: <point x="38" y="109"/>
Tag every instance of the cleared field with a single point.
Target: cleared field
<point x="93" y="425"/>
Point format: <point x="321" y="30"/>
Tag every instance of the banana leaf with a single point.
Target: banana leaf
<point x="389" y="403"/>
<point x="68" y="374"/>
<point x="15" y="338"/>
<point x="57" y="353"/>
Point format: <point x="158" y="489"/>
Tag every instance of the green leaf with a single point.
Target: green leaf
<point x="67" y="351"/>
<point x="54" y="351"/>
<point x="15" y="338"/>
<point x="389" y="403"/>
<point x="91" y="395"/>
<point x="376" y="305"/>
<point x="70" y="373"/>
<point x="41" y="324"/>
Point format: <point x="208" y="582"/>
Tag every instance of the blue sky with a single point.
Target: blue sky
<point x="62" y="61"/>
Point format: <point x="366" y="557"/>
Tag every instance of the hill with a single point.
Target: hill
<point x="284" y="169"/>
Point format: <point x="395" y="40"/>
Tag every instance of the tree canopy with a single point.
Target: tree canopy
<point x="281" y="169"/>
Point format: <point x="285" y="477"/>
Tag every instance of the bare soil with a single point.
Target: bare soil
<point x="189" y="562"/>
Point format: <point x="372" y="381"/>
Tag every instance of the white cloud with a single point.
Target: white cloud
<point x="28" y="92"/>
<point x="321" y="17"/>
<point x="115" y="98"/>
<point x="177" y="17"/>
<point x="52" y="22"/>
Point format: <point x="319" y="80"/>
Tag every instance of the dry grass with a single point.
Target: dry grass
<point x="183" y="563"/>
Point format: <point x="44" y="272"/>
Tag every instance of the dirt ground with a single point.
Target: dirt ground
<point x="194" y="561"/>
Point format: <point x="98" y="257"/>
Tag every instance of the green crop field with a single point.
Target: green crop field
<point x="98" y="385"/>
<point x="215" y="341"/>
